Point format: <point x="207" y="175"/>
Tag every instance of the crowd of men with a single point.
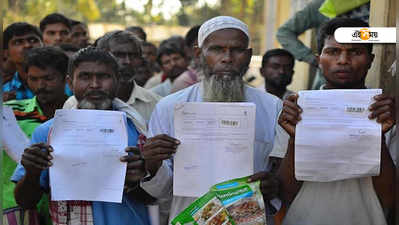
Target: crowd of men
<point x="55" y="66"/>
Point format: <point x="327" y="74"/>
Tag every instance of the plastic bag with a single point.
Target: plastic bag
<point x="206" y="210"/>
<point x="333" y="8"/>
<point x="243" y="201"/>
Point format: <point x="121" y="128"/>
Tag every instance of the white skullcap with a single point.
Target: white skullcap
<point x="218" y="23"/>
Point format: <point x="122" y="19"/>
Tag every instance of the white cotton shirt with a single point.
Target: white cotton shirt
<point x="345" y="202"/>
<point x="163" y="89"/>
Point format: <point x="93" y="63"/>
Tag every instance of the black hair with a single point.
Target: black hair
<point x="76" y="22"/>
<point x="277" y="52"/>
<point x="68" y="47"/>
<point x="146" y="43"/>
<point x="45" y="57"/>
<point x="168" y="48"/>
<point x="54" y="18"/>
<point x="328" y="29"/>
<point x="192" y="36"/>
<point x="92" y="54"/>
<point x="176" y="40"/>
<point x="137" y="30"/>
<point x="119" y="36"/>
<point x="19" y="29"/>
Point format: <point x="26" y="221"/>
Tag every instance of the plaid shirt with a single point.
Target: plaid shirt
<point x="71" y="212"/>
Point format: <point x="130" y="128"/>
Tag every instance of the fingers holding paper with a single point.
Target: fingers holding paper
<point x="290" y="115"/>
<point x="383" y="109"/>
<point x="157" y="149"/>
<point x="36" y="158"/>
<point x="135" y="166"/>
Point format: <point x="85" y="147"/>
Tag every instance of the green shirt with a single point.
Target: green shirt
<point x="29" y="116"/>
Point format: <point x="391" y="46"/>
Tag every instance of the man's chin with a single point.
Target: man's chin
<point x="103" y="104"/>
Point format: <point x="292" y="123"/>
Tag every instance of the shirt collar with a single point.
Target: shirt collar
<point x="139" y="94"/>
<point x="164" y="77"/>
<point x="16" y="81"/>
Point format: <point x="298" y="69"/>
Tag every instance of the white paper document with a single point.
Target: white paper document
<point x="13" y="139"/>
<point x="335" y="140"/>
<point x="87" y="147"/>
<point x="217" y="141"/>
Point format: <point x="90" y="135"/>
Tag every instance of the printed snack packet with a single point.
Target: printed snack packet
<point x="243" y="201"/>
<point x="206" y="210"/>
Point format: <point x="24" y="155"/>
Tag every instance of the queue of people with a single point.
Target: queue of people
<point x="54" y="66"/>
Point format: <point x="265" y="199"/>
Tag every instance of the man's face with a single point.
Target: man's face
<point x="47" y="84"/>
<point x="226" y="53"/>
<point x="94" y="85"/>
<point x="79" y="36"/>
<point x="19" y="45"/>
<point x="173" y="65"/>
<point x="344" y="65"/>
<point x="143" y="73"/>
<point x="149" y="53"/>
<point x="278" y="71"/>
<point x="127" y="54"/>
<point x="224" y="60"/>
<point x="55" y="34"/>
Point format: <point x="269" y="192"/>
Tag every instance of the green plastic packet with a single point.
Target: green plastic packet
<point x="333" y="8"/>
<point x="243" y="201"/>
<point x="205" y="210"/>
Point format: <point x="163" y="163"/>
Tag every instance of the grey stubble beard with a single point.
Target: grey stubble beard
<point x="103" y="105"/>
<point x="229" y="88"/>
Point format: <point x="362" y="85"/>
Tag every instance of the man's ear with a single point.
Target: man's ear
<point x="249" y="55"/>
<point x="5" y="52"/>
<point x="261" y="71"/>
<point x="318" y="60"/>
<point x="197" y="51"/>
<point x="69" y="81"/>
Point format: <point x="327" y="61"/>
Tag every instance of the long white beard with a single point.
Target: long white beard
<point x="217" y="89"/>
<point x="222" y="89"/>
<point x="103" y="105"/>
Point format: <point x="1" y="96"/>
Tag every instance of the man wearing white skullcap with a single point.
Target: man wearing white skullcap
<point x="219" y="23"/>
<point x="224" y="55"/>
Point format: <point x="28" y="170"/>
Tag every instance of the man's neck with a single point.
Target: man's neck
<point x="277" y="91"/>
<point x="22" y="74"/>
<point x="332" y="86"/>
<point x="126" y="95"/>
<point x="49" y="108"/>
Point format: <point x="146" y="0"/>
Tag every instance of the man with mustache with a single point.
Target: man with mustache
<point x="127" y="51"/>
<point x="173" y="63"/>
<point x="18" y="39"/>
<point x="79" y="36"/>
<point x="46" y="69"/>
<point x="94" y="80"/>
<point x="277" y="70"/>
<point x="224" y="55"/>
<point x="351" y="201"/>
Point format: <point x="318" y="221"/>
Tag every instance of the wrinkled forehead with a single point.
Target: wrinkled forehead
<point x="330" y="42"/>
<point x="95" y="67"/>
<point x="25" y="35"/>
<point x="123" y="45"/>
<point x="227" y="36"/>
